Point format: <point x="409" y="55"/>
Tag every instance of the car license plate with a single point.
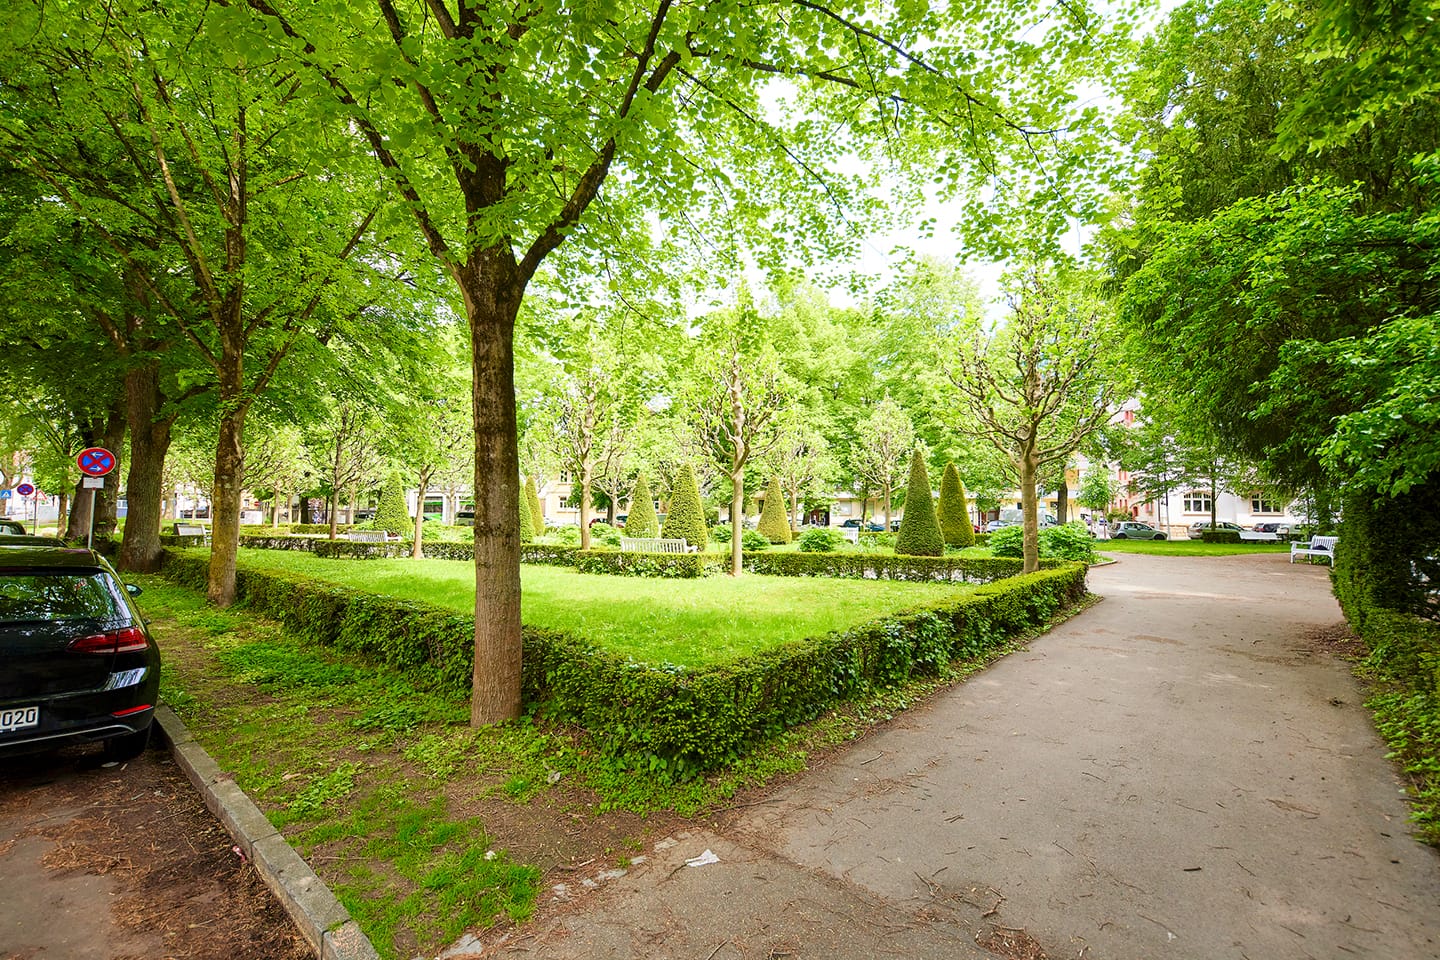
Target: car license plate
<point x="19" y="718"/>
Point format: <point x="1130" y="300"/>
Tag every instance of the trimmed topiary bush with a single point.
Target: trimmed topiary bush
<point x="686" y="520"/>
<point x="537" y="512"/>
<point x="821" y="540"/>
<point x="391" y="514"/>
<point x="953" y="512"/>
<point x="919" y="529"/>
<point x="775" y="517"/>
<point x="527" y="522"/>
<point x="642" y="522"/>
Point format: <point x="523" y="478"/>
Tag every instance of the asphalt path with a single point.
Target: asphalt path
<point x="1184" y="770"/>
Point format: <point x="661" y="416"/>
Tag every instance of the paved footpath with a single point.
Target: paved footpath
<point x="1181" y="771"/>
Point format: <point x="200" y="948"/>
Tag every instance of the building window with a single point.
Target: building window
<point x="1197" y="501"/>
<point x="1259" y="504"/>
<point x="564" y="477"/>
<point x="842" y="509"/>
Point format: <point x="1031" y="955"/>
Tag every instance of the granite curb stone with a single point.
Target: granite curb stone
<point x="321" y="919"/>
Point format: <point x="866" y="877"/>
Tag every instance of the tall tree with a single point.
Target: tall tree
<point x="878" y="459"/>
<point x="1034" y="386"/>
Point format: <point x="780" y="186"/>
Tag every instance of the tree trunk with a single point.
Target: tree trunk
<point x="609" y="511"/>
<point x="584" y="507"/>
<point x="888" y="494"/>
<point x="229" y="459"/>
<point x="61" y="510"/>
<point x="1062" y="501"/>
<point x="492" y="289"/>
<point x="425" y="472"/>
<point x="333" y="509"/>
<point x="1029" y="471"/>
<point x="76" y="521"/>
<point x="737" y="521"/>
<point x="107" y="499"/>
<point x="140" y="549"/>
<point x="795" y="512"/>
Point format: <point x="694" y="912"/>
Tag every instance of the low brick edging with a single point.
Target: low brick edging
<point x="322" y="920"/>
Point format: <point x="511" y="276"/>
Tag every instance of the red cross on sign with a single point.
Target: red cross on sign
<point x="95" y="461"/>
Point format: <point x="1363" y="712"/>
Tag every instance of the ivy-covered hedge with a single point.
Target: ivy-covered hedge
<point x="555" y="556"/>
<point x="674" y="565"/>
<point x="319" y="528"/>
<point x="351" y="550"/>
<point x="678" y="719"/>
<point x="1220" y="536"/>
<point x="182" y="540"/>
<point x="279" y="543"/>
<point x="879" y="566"/>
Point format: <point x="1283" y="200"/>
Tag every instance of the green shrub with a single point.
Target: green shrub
<point x="775" y="517"/>
<point x="875" y="540"/>
<point x="754" y="540"/>
<point x="919" y="530"/>
<point x="319" y="527"/>
<point x="953" y="511"/>
<point x="527" y="522"/>
<point x="553" y="555"/>
<point x="1008" y="542"/>
<point x="350" y="550"/>
<point x="563" y="536"/>
<point x="390" y="513"/>
<point x="887" y="566"/>
<point x="1220" y="536"/>
<point x="1068" y="541"/>
<point x="641" y="521"/>
<point x="635" y="564"/>
<point x="686" y="520"/>
<point x="275" y="543"/>
<point x="537" y="512"/>
<point x="721" y="533"/>
<point x="821" y="540"/>
<point x="604" y="534"/>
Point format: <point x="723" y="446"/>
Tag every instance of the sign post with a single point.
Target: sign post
<point x="28" y="490"/>
<point x="95" y="463"/>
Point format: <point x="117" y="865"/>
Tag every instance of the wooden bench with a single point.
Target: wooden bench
<point x="189" y="530"/>
<point x="369" y="536"/>
<point x="1314" y="547"/>
<point x="654" y="545"/>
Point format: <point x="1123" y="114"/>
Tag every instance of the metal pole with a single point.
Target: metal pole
<point x="90" y="536"/>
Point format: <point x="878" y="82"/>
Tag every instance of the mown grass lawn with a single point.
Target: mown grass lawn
<point x="685" y="622"/>
<point x="1188" y="548"/>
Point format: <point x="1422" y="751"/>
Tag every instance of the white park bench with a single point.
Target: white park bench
<point x="654" y="545"/>
<point x="1315" y="547"/>
<point x="369" y="536"/>
<point x="189" y="530"/>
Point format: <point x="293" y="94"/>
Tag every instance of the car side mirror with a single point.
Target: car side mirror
<point x="133" y="590"/>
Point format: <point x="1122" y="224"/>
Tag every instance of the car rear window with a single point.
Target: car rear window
<point x="26" y="597"/>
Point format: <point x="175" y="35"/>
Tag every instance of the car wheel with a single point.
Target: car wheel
<point x="1120" y="536"/>
<point x="127" y="746"/>
<point x="1160" y="536"/>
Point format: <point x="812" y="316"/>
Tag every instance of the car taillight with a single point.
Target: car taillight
<point x="128" y="640"/>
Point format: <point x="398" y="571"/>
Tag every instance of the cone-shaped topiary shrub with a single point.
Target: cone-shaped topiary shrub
<point x="390" y="513"/>
<point x="537" y="513"/>
<point x="686" y="520"/>
<point x="641" y="521"/>
<point x="527" y="526"/>
<point x="775" y="517"/>
<point x="919" y="530"/>
<point x="953" y="512"/>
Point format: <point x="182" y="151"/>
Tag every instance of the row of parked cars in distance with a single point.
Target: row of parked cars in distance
<point x="79" y="664"/>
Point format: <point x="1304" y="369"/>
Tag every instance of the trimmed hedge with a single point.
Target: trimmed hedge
<point x="774" y="522"/>
<point x="641" y="521"/>
<point x="674" y="565"/>
<point x="350" y="550"/>
<point x="919" y="534"/>
<point x="686" y="520"/>
<point x="880" y="566"/>
<point x="319" y="527"/>
<point x="1220" y="536"/>
<point x="182" y="540"/>
<point x="666" y="717"/>
<point x="953" y="511"/>
<point x="279" y="543"/>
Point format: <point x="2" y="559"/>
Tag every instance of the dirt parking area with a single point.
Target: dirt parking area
<point x="121" y="862"/>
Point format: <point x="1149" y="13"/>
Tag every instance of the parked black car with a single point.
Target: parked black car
<point x="869" y="525"/>
<point x="79" y="664"/>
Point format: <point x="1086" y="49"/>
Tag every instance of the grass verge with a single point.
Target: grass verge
<point x="1188" y="548"/>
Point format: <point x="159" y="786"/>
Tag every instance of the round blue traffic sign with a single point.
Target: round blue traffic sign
<point x="25" y="489"/>
<point x="95" y="461"/>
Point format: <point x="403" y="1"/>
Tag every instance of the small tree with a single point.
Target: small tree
<point x="775" y="518"/>
<point x="1096" y="490"/>
<point x="537" y="513"/>
<point x="954" y="512"/>
<point x="391" y="514"/>
<point x="686" y="520"/>
<point x="919" y="529"/>
<point x="641" y="522"/>
<point x="527" y="525"/>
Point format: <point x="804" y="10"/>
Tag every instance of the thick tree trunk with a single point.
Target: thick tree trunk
<point x="61" y="513"/>
<point x="306" y="515"/>
<point x="229" y="464"/>
<point x="1062" y="502"/>
<point x="1029" y="502"/>
<point x="493" y="290"/>
<point x="140" y="549"/>
<point x="737" y="522"/>
<point x="425" y="472"/>
<point x="107" y="500"/>
<point x="609" y="511"/>
<point x="76" y="521"/>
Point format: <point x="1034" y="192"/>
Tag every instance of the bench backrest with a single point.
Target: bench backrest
<point x="189" y="530"/>
<point x="367" y="536"/>
<point x="654" y="545"/>
<point x="1323" y="543"/>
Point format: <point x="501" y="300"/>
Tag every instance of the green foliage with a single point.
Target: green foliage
<point x="635" y="564"/>
<point x="919" y="529"/>
<point x="882" y="566"/>
<point x="319" y="528"/>
<point x="641" y="521"/>
<point x="1069" y="541"/>
<point x="754" y="540"/>
<point x="605" y="535"/>
<point x="567" y="536"/>
<point x="527" y="523"/>
<point x="953" y="511"/>
<point x="391" y="514"/>
<point x="1220" y="536"/>
<point x="721" y="533"/>
<point x="1008" y="542"/>
<point x="537" y="512"/>
<point x="821" y="540"/>
<point x="686" y="520"/>
<point x="775" y="518"/>
<point x="350" y="550"/>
